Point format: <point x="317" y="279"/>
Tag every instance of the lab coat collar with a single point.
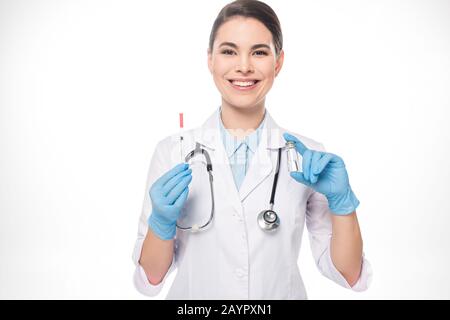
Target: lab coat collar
<point x="210" y="137"/>
<point x="261" y="164"/>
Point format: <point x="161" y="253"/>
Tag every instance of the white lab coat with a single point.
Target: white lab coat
<point x="234" y="258"/>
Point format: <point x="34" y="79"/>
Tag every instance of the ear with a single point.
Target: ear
<point x="209" y="57"/>
<point x="279" y="62"/>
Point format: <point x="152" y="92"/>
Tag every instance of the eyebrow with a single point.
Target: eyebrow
<point x="256" y="46"/>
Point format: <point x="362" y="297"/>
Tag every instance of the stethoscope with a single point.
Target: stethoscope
<point x="268" y="220"/>
<point x="199" y="150"/>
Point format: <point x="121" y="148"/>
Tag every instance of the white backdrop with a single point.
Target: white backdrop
<point x="87" y="88"/>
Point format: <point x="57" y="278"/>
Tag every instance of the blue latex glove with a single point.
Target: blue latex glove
<point x="168" y="195"/>
<point x="325" y="173"/>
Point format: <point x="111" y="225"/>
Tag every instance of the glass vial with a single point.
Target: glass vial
<point x="292" y="157"/>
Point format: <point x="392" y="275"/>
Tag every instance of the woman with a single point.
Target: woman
<point x="234" y="257"/>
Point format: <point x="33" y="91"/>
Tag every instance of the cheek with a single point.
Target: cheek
<point x="268" y="70"/>
<point x="220" y="67"/>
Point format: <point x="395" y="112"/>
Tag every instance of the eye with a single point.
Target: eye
<point x="227" y="51"/>
<point x="261" y="53"/>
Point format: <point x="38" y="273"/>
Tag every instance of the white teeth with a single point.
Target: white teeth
<point x="243" y="84"/>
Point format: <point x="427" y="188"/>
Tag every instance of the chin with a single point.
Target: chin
<point x="242" y="105"/>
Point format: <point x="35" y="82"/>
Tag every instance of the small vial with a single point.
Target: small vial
<point x="292" y="157"/>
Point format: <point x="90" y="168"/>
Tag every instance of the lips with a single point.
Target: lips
<point x="243" y="84"/>
<point x="243" y="80"/>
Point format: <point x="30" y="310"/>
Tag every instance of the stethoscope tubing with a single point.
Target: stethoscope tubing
<point x="209" y="169"/>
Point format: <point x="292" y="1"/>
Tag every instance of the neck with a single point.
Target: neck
<point x="242" y="121"/>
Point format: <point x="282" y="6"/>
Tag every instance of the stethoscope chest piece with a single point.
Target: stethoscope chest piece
<point x="268" y="220"/>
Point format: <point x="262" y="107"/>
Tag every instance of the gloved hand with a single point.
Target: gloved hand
<point x="325" y="173"/>
<point x="168" y="195"/>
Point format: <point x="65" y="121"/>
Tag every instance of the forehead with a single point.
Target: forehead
<point x="244" y="32"/>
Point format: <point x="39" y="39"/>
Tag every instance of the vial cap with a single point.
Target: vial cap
<point x="290" y="144"/>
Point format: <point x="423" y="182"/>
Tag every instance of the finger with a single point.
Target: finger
<point x="336" y="161"/>
<point x="178" y="189"/>
<point x="299" y="146"/>
<point x="174" y="181"/>
<point x="298" y="176"/>
<point x="171" y="173"/>
<point x="306" y="164"/>
<point x="182" y="198"/>
<point x="322" y="163"/>
<point x="313" y="177"/>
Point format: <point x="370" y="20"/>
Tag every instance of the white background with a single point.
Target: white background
<point x="87" y="88"/>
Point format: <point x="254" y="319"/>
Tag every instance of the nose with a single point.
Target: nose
<point x="245" y="65"/>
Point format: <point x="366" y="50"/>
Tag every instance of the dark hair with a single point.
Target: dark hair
<point x="250" y="9"/>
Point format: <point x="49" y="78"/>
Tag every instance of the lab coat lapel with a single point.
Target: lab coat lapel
<point x="262" y="163"/>
<point x="209" y="136"/>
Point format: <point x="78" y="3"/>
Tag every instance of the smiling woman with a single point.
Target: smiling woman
<point x="237" y="257"/>
<point x="245" y="54"/>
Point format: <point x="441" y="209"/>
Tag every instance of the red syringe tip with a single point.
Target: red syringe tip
<point x="181" y="120"/>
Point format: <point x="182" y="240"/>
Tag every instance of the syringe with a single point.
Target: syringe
<point x="181" y="136"/>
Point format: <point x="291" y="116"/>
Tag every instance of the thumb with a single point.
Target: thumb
<point x="298" y="176"/>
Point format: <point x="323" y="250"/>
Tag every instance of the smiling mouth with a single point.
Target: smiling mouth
<point x="243" y="85"/>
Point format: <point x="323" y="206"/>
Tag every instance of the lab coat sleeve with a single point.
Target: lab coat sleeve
<point x="319" y="225"/>
<point x="159" y="164"/>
